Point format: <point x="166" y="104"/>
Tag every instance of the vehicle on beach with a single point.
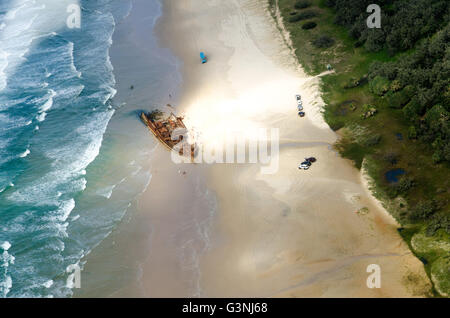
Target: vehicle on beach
<point x="304" y="165"/>
<point x="299" y="104"/>
<point x="203" y="58"/>
<point x="311" y="159"/>
<point x="301" y="114"/>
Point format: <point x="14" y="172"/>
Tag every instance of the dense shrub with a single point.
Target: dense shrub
<point x="401" y="98"/>
<point x="358" y="44"/>
<point x="401" y="187"/>
<point x="303" y="16"/>
<point x="302" y="4"/>
<point x="405" y="184"/>
<point x="353" y="82"/>
<point x="438" y="221"/>
<point x="323" y="41"/>
<point x="404" y="22"/>
<point x="423" y="210"/>
<point x="309" y="25"/>
<point x="379" y="85"/>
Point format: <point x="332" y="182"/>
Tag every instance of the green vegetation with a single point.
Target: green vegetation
<point x="309" y="25"/>
<point x="323" y="41"/>
<point x="304" y="15"/>
<point x="302" y="4"/>
<point x="389" y="100"/>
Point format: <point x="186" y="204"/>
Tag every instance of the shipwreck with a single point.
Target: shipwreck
<point x="170" y="131"/>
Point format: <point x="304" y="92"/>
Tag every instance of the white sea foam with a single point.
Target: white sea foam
<point x="69" y="162"/>
<point x="5" y="286"/>
<point x="72" y="61"/>
<point x="48" y="284"/>
<point x="6" y="259"/>
<point x="3" y="66"/>
<point x="24" y="25"/>
<point x="25" y="153"/>
<point x="65" y="209"/>
<point x="106" y="192"/>
<point x="49" y="103"/>
<point x="5" y="245"/>
<point x="41" y="117"/>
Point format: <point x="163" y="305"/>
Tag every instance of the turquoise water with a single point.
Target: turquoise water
<point x="72" y="159"/>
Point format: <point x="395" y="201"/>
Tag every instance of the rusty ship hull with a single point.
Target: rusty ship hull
<point x="164" y="129"/>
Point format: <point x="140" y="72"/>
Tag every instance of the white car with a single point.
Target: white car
<point x="304" y="165"/>
<point x="300" y="108"/>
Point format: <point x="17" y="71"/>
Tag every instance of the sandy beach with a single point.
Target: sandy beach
<point x="293" y="233"/>
<point x="227" y="230"/>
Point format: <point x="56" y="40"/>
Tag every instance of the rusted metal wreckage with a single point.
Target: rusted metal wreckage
<point x="170" y="131"/>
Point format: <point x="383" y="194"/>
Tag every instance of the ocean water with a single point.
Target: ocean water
<point x="73" y="158"/>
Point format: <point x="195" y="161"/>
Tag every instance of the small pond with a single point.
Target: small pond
<point x="392" y="175"/>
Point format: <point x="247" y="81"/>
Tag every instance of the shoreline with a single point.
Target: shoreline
<point x="227" y="230"/>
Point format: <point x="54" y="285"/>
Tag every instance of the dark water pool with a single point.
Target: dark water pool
<point x="392" y="175"/>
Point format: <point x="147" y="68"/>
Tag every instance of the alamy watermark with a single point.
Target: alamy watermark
<point x="240" y="147"/>
<point x="74" y="278"/>
<point x="374" y="20"/>
<point x="74" y="19"/>
<point x="374" y="279"/>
